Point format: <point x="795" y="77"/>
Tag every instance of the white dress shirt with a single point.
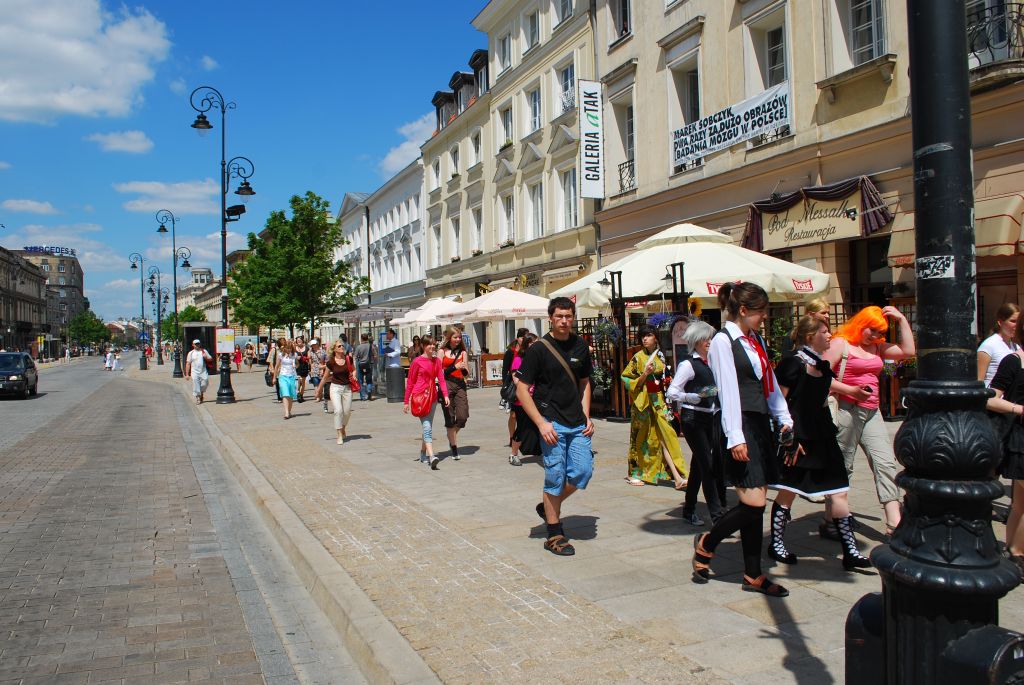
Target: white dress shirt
<point x="723" y="366"/>
<point x="393" y="352"/>
<point x="684" y="374"/>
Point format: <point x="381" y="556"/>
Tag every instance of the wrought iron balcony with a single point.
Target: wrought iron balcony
<point x="771" y="136"/>
<point x="627" y="175"/>
<point x="995" y="33"/>
<point x="568" y="101"/>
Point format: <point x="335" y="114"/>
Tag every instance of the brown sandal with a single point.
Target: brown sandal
<point x="765" y="586"/>
<point x="701" y="560"/>
<point x="559" y="545"/>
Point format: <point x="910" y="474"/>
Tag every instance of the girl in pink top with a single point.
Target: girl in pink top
<point x="861" y="342"/>
<point x="424" y="372"/>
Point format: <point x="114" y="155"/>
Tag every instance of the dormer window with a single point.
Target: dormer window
<point x="478" y="62"/>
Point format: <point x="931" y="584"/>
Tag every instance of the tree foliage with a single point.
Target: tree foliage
<point x="88" y="328"/>
<point x="189" y="313"/>
<point x="290" y="275"/>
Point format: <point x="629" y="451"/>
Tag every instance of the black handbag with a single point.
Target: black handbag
<point x="508" y="390"/>
<point x="269" y="379"/>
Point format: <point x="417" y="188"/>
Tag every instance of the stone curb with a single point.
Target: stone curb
<point x="381" y="652"/>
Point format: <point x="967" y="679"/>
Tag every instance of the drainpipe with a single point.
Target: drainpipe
<point x="369" y="293"/>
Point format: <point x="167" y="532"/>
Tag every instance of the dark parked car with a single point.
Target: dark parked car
<point x="18" y="374"/>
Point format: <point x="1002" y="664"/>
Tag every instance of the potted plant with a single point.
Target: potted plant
<point x="454" y="176"/>
<point x="607" y="332"/>
<point x="456" y="258"/>
<point x="506" y="145"/>
<point x="508" y="243"/>
<point x="477" y="252"/>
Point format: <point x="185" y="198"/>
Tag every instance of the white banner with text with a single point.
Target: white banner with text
<point x="591" y="139"/>
<point x="764" y="112"/>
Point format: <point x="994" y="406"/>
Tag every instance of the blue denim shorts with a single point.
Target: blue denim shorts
<point x="570" y="460"/>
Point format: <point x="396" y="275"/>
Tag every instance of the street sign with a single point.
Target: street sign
<point x="225" y="340"/>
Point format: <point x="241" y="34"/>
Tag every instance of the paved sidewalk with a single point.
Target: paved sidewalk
<point x="102" y="575"/>
<point x="453" y="558"/>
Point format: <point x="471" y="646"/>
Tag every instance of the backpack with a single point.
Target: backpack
<point x="211" y="365"/>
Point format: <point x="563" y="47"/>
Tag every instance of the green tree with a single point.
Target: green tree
<point x="189" y="313"/>
<point x="290" y="274"/>
<point x="88" y="328"/>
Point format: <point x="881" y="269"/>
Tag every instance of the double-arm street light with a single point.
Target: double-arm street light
<point x="154" y="291"/>
<point x="204" y="99"/>
<point x="183" y="253"/>
<point x="138" y="262"/>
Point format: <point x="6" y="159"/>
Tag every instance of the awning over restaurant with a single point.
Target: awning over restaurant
<point x="369" y="313"/>
<point x="997" y="230"/>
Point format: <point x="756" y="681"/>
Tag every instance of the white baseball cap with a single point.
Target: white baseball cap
<point x="197" y="341"/>
<point x="314" y="341"/>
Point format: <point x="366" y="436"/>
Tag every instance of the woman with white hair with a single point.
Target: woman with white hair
<point x="693" y="389"/>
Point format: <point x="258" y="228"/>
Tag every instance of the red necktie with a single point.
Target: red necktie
<point x="766" y="377"/>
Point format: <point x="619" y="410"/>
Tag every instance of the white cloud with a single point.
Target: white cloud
<point x="73" y="58"/>
<point x="29" y="206"/>
<point x="208" y="63"/>
<point x="122" y="141"/>
<point x="120" y="284"/>
<point x="178" y="86"/>
<point x="187" y="197"/>
<point x="415" y="134"/>
<point x="4" y="165"/>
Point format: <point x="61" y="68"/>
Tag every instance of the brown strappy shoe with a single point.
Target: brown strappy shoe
<point x="765" y="586"/>
<point x="559" y="544"/>
<point x="701" y="560"/>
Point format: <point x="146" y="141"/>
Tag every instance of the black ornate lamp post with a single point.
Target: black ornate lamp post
<point x="154" y="291"/>
<point x="942" y="574"/>
<point x="613" y="280"/>
<point x="138" y="262"/>
<point x="182" y="253"/>
<point x="204" y="99"/>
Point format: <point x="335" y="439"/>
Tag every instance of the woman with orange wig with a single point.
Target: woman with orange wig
<point x="856" y="355"/>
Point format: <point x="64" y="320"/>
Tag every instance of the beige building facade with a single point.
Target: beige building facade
<point x="839" y="68"/>
<point x="501" y="176"/>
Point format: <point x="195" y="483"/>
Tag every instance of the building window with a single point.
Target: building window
<point x="533" y="98"/>
<point x="456" y="236"/>
<point x="61" y="280"/>
<point x="454" y="159"/>
<point x="481" y="80"/>
<point x="684" y="105"/>
<point x="60" y="267"/>
<point x="506" y="125"/>
<point x="478" y="228"/>
<point x="768" y="49"/>
<point x="621" y="21"/>
<point x="436" y="169"/>
<point x="624" y="152"/>
<point x="475" y="143"/>
<point x="570" y="216"/>
<point x="536" y="193"/>
<point x="508" y="218"/>
<point x="437" y="245"/>
<point x="460" y="101"/>
<point x="567" y="87"/>
<point x="867" y="30"/>
<point x="46" y="267"/>
<point x="532" y="29"/>
<point x="505" y="52"/>
<point x="63" y="293"/>
<point x="630" y="133"/>
<point x="564" y="10"/>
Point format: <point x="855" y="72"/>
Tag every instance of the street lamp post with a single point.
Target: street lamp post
<point x="204" y="99"/>
<point x="942" y="573"/>
<point x="613" y="280"/>
<point x="676" y="274"/>
<point x="183" y="253"/>
<point x="138" y="262"/>
<point x="154" y="290"/>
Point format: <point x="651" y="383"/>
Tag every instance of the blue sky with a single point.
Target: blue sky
<point x="332" y="96"/>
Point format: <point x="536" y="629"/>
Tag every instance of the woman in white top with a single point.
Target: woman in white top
<point x="287" y="378"/>
<point x="1000" y="343"/>
<point x="750" y="396"/>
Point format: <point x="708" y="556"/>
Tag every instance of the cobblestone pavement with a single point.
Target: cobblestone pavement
<point x="454" y="558"/>
<point x="111" y="568"/>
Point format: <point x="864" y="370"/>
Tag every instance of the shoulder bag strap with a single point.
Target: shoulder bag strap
<point x="561" y="360"/>
<point x="842" y="364"/>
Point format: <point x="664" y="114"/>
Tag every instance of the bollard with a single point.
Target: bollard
<point x="989" y="655"/>
<point x="865" y="659"/>
<point x="394" y="377"/>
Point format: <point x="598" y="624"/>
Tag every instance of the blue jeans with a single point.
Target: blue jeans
<point x="427" y="422"/>
<point x="570" y="460"/>
<point x="365" y="378"/>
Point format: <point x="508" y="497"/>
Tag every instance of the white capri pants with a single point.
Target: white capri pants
<point x="341" y="403"/>
<point x="865" y="428"/>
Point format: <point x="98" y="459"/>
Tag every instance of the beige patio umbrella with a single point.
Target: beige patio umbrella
<point x="499" y="305"/>
<point x="710" y="258"/>
<point x="426" y="314"/>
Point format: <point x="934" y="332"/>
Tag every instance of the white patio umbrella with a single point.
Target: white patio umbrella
<point x="710" y="258"/>
<point x="427" y="313"/>
<point x="499" y="305"/>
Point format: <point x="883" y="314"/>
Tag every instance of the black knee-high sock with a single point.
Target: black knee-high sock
<point x="735" y="519"/>
<point x="751" y="537"/>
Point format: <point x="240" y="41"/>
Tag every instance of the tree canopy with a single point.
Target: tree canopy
<point x="189" y="313"/>
<point x="290" y="275"/>
<point x="88" y="328"/>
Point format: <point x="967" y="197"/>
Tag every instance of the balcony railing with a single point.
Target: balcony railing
<point x="627" y="175"/>
<point x="995" y="32"/>
<point x="770" y="137"/>
<point x="568" y="100"/>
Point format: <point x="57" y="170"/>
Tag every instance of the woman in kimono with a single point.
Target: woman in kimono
<point x="654" y="452"/>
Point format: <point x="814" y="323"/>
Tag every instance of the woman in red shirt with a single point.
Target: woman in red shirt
<point x="424" y="373"/>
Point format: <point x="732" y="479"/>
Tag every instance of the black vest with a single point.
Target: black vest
<point x="751" y="390"/>
<point x="702" y="378"/>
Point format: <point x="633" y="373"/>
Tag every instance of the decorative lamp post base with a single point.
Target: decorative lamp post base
<point x="225" y="393"/>
<point x="177" y="365"/>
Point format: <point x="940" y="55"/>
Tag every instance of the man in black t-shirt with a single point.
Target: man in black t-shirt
<point x="560" y="407"/>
